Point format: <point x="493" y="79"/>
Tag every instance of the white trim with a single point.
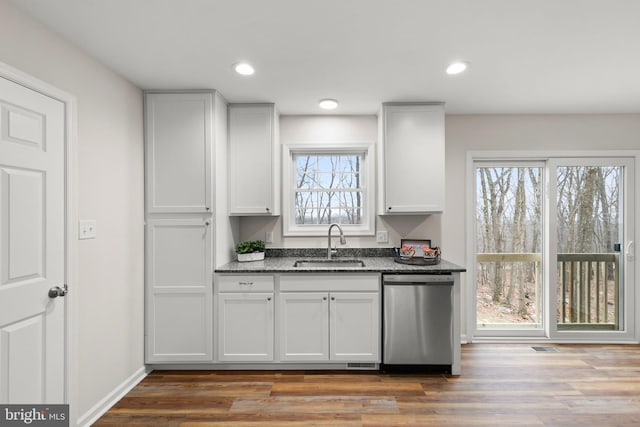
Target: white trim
<point x="100" y="408"/>
<point x="632" y="320"/>
<point x="367" y="228"/>
<point x="71" y="215"/>
<point x="525" y="340"/>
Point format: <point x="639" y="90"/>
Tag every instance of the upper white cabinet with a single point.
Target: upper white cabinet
<point x="411" y="158"/>
<point x="254" y="160"/>
<point x="178" y="134"/>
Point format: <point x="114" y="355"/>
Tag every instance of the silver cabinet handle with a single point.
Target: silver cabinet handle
<point x="245" y="283"/>
<point x="57" y="291"/>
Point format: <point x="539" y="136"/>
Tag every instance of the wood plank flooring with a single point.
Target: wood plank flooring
<point x="500" y="385"/>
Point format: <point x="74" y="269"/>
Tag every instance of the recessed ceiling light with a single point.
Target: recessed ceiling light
<point x="328" y="104"/>
<point x="457" y="67"/>
<point x="244" y="68"/>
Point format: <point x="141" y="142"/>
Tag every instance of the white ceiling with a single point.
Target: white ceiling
<point x="527" y="56"/>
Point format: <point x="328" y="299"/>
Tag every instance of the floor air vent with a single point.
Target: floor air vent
<point x="547" y="349"/>
<point x="362" y="366"/>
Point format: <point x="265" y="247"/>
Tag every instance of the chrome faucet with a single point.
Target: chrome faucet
<point x="343" y="241"/>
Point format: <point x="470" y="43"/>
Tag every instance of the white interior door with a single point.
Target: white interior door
<point x="32" y="246"/>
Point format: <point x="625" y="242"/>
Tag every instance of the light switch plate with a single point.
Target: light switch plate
<point x="268" y="238"/>
<point x="382" y="236"/>
<point x="87" y="229"/>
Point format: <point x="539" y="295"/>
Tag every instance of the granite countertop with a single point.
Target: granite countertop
<point x="377" y="264"/>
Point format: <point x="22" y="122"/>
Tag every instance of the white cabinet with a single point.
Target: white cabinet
<point x="245" y="319"/>
<point x="245" y="327"/>
<point x="178" y="136"/>
<point x="179" y="129"/>
<point x="304" y="326"/>
<point x="254" y="160"/>
<point x="411" y="159"/>
<point x="329" y="318"/>
<point x="178" y="290"/>
<point x="355" y="326"/>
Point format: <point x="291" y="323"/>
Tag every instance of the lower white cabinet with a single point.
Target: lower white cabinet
<point x="245" y="327"/>
<point x="304" y="326"/>
<point x="329" y="326"/>
<point x="297" y="318"/>
<point x="179" y="319"/>
<point x="245" y="318"/>
<point x="354" y="322"/>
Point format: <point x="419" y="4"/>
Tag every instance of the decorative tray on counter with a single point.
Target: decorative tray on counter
<point x="417" y="252"/>
<point x="418" y="260"/>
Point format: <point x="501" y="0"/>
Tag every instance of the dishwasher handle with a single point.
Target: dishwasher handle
<point x="411" y="279"/>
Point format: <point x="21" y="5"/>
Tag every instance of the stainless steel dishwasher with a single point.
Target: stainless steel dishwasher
<point x="417" y="319"/>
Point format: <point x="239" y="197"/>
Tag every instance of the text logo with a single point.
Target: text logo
<point x="34" y="415"/>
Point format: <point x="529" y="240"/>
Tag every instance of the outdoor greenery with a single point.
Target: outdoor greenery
<point x="509" y="215"/>
<point x="328" y="189"/>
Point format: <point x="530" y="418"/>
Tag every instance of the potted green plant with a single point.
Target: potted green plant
<point x="250" y="250"/>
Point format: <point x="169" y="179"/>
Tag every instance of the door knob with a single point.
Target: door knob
<point x="57" y="291"/>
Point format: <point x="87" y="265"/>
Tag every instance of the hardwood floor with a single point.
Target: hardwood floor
<point x="500" y="385"/>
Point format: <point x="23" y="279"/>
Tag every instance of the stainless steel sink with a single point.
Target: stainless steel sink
<point x="329" y="263"/>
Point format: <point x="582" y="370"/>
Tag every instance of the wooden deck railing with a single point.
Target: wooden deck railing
<point x="588" y="287"/>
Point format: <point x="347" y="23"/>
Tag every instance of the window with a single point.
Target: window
<point x="328" y="184"/>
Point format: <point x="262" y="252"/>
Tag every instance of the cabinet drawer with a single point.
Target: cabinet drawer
<point x="245" y="283"/>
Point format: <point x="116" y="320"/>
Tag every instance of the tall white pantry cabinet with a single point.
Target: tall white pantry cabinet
<point x="179" y="159"/>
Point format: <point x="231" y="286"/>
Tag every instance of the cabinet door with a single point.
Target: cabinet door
<point x="413" y="158"/>
<point x="178" y="134"/>
<point x="355" y="326"/>
<point x="245" y="327"/>
<point x="253" y="157"/>
<point x="179" y="291"/>
<point x="304" y="326"/>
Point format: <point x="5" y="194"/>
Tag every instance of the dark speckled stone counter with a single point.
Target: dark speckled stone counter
<point x="376" y="264"/>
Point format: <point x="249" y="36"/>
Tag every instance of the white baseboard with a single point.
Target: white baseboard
<point x="100" y="408"/>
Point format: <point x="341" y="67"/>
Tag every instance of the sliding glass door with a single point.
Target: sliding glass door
<point x="552" y="239"/>
<point x="509" y="225"/>
<point x="590" y="235"/>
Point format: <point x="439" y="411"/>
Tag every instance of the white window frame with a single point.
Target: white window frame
<point x="366" y="149"/>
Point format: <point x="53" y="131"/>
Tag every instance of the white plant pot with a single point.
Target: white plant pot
<point x="254" y="256"/>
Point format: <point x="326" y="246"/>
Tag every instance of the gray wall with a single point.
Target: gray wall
<point x="109" y="289"/>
